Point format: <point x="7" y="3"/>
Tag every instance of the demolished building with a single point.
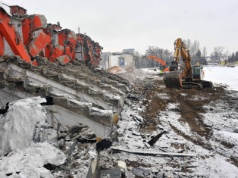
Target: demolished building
<point x="42" y="59"/>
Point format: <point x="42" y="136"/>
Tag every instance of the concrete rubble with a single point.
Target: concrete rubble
<point x="63" y="116"/>
<point x="79" y="110"/>
<point x="103" y="126"/>
<point x="189" y="147"/>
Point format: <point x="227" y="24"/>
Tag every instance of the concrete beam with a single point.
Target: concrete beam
<point x="68" y="118"/>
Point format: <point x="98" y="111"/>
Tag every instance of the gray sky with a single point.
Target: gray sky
<point x="120" y="24"/>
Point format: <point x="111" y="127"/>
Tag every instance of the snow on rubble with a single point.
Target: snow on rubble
<point x="205" y="163"/>
<point x="215" y="167"/>
<point x="25" y="158"/>
<point x="29" y="162"/>
<point x="175" y="154"/>
<point x="18" y="124"/>
<point x="214" y="154"/>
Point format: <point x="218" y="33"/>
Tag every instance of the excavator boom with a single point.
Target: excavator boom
<point x="161" y="61"/>
<point x="155" y="58"/>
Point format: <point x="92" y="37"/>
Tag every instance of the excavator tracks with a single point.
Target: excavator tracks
<point x="173" y="79"/>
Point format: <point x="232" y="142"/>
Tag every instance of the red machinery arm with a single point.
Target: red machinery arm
<point x="155" y="58"/>
<point x="161" y="61"/>
<point x="14" y="40"/>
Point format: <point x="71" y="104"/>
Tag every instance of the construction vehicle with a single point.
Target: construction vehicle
<point x="191" y="76"/>
<point x="161" y="61"/>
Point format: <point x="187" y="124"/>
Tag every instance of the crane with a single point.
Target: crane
<point x="191" y="76"/>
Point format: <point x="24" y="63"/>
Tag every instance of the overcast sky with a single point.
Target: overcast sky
<point x="121" y="24"/>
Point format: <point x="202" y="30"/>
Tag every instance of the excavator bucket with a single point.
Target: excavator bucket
<point x="173" y="79"/>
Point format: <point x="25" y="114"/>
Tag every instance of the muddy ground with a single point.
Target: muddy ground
<point x="202" y="123"/>
<point x="191" y="104"/>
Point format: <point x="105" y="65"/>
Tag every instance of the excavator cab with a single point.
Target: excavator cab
<point x="173" y="66"/>
<point x="197" y="72"/>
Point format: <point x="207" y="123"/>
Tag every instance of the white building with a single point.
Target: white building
<point x="117" y="59"/>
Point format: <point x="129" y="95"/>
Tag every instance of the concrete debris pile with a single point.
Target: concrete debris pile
<point x="73" y="94"/>
<point x="161" y="135"/>
<point x="31" y="147"/>
<point x="136" y="75"/>
<point x="20" y="154"/>
<point x="63" y="116"/>
<point x="141" y="158"/>
<point x="40" y="59"/>
<point x="79" y="104"/>
<point x="79" y="144"/>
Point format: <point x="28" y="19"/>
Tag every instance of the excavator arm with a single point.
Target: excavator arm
<point x="161" y="61"/>
<point x="182" y="51"/>
<point x="155" y="58"/>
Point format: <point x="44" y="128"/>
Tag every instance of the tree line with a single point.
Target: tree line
<point x="233" y="58"/>
<point x="198" y="55"/>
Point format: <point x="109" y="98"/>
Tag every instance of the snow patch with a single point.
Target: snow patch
<point x="225" y="136"/>
<point x="18" y="124"/>
<point x="163" y="96"/>
<point x="100" y="112"/>
<point x="29" y="162"/>
<point x="224" y="75"/>
<point x="216" y="167"/>
<point x="26" y="158"/>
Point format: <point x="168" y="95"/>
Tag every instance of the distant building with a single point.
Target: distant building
<point x="120" y="59"/>
<point x="128" y="51"/>
<point x="105" y="59"/>
<point x="113" y="60"/>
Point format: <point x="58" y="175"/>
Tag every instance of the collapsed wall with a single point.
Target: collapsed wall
<point x="40" y="59"/>
<point x="93" y="101"/>
<point x="46" y="60"/>
<point x="29" y="36"/>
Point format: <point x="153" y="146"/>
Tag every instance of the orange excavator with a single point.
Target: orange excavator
<point x="161" y="61"/>
<point x="191" y="76"/>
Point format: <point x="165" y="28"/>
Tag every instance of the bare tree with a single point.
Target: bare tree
<point x="159" y="52"/>
<point x="204" y="52"/>
<point x="218" y="54"/>
<point x="152" y="51"/>
<point x="194" y="48"/>
<point x="188" y="43"/>
<point x="164" y="54"/>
